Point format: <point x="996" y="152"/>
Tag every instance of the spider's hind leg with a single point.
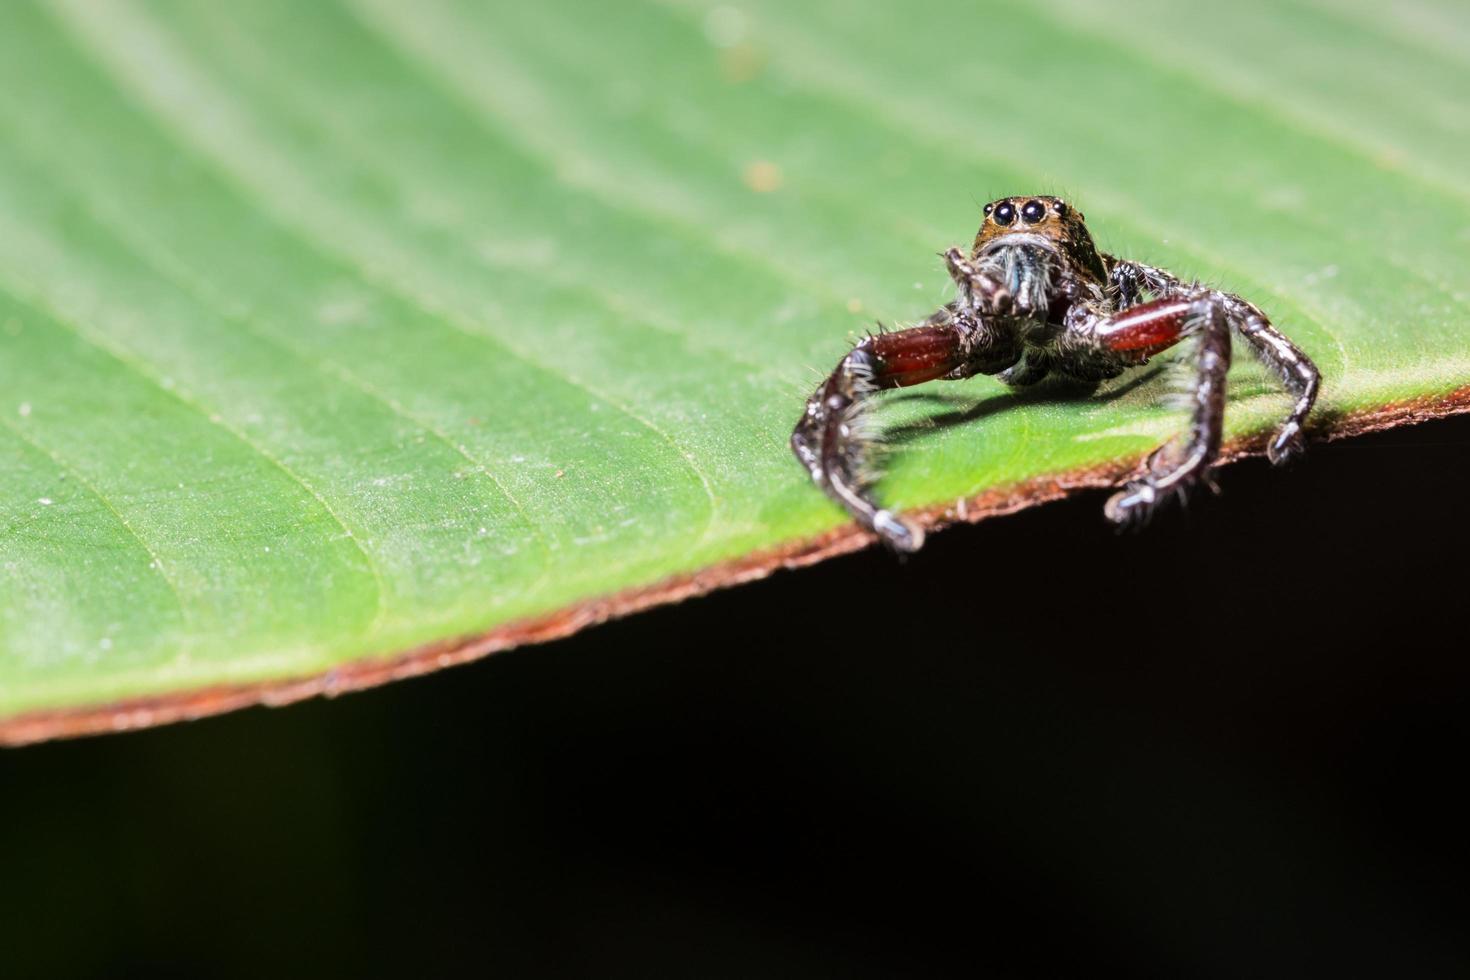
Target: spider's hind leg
<point x="1291" y="365"/>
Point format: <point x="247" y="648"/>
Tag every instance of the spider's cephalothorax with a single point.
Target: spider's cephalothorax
<point x="1036" y="298"/>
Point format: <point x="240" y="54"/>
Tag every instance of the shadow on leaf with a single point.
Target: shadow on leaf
<point x="964" y="410"/>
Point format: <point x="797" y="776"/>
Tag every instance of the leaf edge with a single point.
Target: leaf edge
<point x="135" y="714"/>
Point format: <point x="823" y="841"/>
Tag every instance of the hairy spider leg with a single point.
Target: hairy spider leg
<point x="1147" y="329"/>
<point x="1132" y="280"/>
<point x="1269" y="346"/>
<point x="832" y="438"/>
<point x="1291" y="365"/>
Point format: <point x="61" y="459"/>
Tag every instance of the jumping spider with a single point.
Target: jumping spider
<point x="1036" y="298"/>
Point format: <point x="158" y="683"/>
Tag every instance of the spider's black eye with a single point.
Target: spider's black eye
<point x="1033" y="212"/>
<point x="989" y="208"/>
<point x="1004" y="214"/>
<point x="1061" y="209"/>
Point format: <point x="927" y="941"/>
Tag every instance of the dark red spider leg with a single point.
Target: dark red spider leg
<point x="832" y="437"/>
<point x="1147" y="329"/>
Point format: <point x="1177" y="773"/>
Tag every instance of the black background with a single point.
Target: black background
<point x="1233" y="744"/>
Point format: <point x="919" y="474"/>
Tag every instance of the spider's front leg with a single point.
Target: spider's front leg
<point x="1130" y="281"/>
<point x="833" y="437"/>
<point x="1132" y="337"/>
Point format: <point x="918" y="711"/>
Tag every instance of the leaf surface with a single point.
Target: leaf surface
<point x="335" y="330"/>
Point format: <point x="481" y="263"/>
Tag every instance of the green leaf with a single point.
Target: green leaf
<point x="335" y="331"/>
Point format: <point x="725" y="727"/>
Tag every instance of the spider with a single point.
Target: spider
<point x="1036" y="298"/>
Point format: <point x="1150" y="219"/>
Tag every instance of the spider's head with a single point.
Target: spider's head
<point x="1048" y="222"/>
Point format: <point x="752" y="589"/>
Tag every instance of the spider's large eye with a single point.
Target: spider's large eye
<point x="1004" y="214"/>
<point x="1033" y="212"/>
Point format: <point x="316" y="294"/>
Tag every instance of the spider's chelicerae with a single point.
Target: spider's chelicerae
<point x="1036" y="298"/>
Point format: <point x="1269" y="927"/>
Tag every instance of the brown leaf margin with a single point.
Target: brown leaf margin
<point x="147" y="712"/>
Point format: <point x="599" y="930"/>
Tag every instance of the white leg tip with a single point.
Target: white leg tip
<point x="899" y="534"/>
